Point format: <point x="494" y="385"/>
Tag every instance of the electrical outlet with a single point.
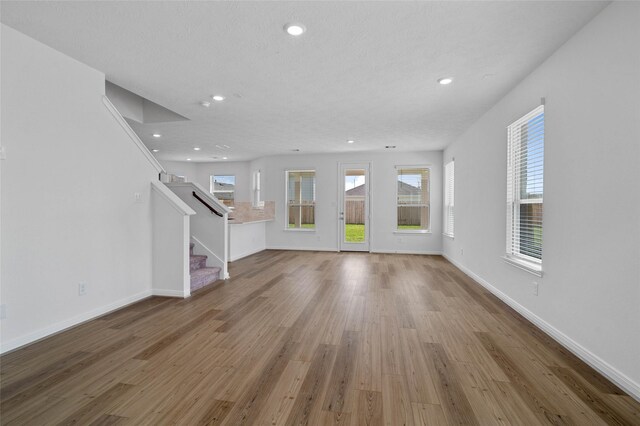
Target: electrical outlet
<point x="534" y="288"/>
<point x="3" y="311"/>
<point x="137" y="197"/>
<point x="82" y="289"/>
<point x="461" y="251"/>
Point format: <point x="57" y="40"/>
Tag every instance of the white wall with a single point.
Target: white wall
<point x="68" y="184"/>
<point x="383" y="203"/>
<point x="590" y="292"/>
<point x="128" y="104"/>
<point x="183" y="168"/>
<point x="201" y="173"/>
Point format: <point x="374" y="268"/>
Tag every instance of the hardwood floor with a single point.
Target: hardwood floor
<point x="312" y="338"/>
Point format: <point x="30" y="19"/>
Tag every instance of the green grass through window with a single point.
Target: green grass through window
<point x="354" y="233"/>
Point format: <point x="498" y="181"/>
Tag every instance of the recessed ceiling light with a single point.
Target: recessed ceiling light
<point x="217" y="98"/>
<point x="350" y="141"/>
<point x="445" y="80"/>
<point x="197" y="148"/>
<point x="188" y="159"/>
<point x="155" y="150"/>
<point x="295" y="29"/>
<point x="224" y="158"/>
<point x="157" y="135"/>
<point x="205" y="104"/>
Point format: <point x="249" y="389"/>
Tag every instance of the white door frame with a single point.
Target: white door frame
<point x="342" y="245"/>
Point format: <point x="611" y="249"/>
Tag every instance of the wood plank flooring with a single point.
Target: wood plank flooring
<point x="312" y="338"/>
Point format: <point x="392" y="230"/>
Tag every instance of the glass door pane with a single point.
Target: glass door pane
<point x="355" y="193"/>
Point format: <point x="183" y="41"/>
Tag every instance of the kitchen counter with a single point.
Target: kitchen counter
<point x="249" y="238"/>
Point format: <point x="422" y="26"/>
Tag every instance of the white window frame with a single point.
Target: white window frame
<point x="212" y="179"/>
<point x="427" y="204"/>
<point x="449" y="199"/>
<point x="514" y="256"/>
<point x="286" y="200"/>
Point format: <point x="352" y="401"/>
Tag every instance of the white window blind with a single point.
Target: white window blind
<point x="525" y="178"/>
<point x="257" y="197"/>
<point x="449" y="198"/>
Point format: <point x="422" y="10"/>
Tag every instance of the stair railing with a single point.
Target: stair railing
<point x="214" y="211"/>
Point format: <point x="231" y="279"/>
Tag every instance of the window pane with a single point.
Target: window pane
<point x="224" y="188"/>
<point x="301" y="194"/>
<point x="413" y="186"/>
<point x="525" y="192"/>
<point x="531" y="161"/>
<point x="530" y="236"/>
<point x="413" y="199"/>
<point x="413" y="217"/>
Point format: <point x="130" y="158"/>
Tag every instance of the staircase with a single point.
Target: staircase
<point x="201" y="275"/>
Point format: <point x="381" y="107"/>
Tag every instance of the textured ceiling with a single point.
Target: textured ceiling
<point x="363" y="70"/>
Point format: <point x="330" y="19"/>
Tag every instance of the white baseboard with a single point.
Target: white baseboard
<point x="169" y="293"/>
<point x="426" y="252"/>
<point x="71" y="322"/>
<point x="295" y="248"/>
<point x="606" y="369"/>
<point x="245" y="254"/>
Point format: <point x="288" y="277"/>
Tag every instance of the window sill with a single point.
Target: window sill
<point x="412" y="231"/>
<point x="299" y="230"/>
<point x="448" y="235"/>
<point x="529" y="267"/>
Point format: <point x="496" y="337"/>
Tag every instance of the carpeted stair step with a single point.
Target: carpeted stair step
<point x="196" y="262"/>
<point x="204" y="276"/>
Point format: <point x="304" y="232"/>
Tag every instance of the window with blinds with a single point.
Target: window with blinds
<point x="525" y="178"/>
<point x="301" y="199"/>
<point x="449" y="198"/>
<point x="413" y="199"/>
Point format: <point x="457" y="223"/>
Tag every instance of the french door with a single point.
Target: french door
<point x="353" y="213"/>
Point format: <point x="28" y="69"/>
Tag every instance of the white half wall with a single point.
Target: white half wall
<point x="383" y="177"/>
<point x="69" y="209"/>
<point x="171" y="237"/>
<point x="589" y="297"/>
<point x="246" y="239"/>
